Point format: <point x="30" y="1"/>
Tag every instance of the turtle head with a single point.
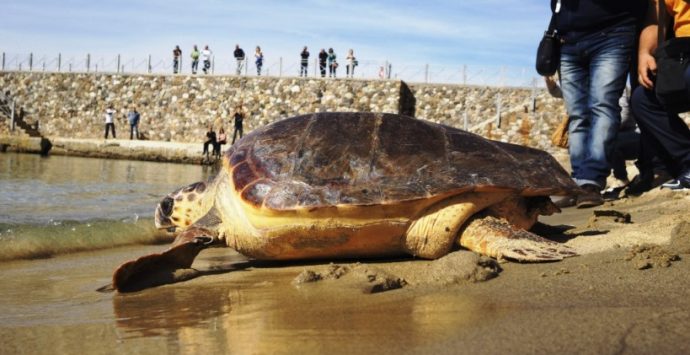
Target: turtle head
<point x="183" y="207"/>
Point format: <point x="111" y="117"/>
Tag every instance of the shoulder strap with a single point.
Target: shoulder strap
<point x="665" y="22"/>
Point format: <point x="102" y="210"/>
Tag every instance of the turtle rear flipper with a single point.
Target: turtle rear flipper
<point x="499" y="239"/>
<point x="171" y="266"/>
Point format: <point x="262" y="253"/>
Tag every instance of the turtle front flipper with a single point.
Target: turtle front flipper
<point x="501" y="240"/>
<point x="171" y="266"/>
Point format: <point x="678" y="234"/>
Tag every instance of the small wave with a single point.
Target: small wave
<point x="41" y="241"/>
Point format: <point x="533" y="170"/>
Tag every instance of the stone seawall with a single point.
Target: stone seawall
<point x="178" y="108"/>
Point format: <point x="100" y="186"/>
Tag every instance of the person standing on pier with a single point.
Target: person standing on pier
<point x="109" y="123"/>
<point x="133" y="118"/>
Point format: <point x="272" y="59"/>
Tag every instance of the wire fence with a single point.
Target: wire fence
<point x="497" y="76"/>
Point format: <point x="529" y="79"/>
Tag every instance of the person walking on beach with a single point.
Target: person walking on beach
<point x="239" y="118"/>
<point x="206" y="58"/>
<point x="332" y="63"/>
<point x="195" y="59"/>
<point x="177" y="55"/>
<point x="259" y="60"/>
<point x="133" y="118"/>
<point x="351" y="63"/>
<point x="304" y="62"/>
<point x="109" y="122"/>
<point x="323" y="57"/>
<point x="239" y="58"/>
<point x="598" y="43"/>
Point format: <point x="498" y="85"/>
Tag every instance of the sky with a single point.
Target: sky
<point x="458" y="40"/>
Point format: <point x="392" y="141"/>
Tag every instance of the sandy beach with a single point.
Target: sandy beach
<point x="628" y="292"/>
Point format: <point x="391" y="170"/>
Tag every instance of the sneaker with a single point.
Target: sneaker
<point x="684" y="178"/>
<point x="590" y="197"/>
<point x="612" y="193"/>
<point x="564" y="201"/>
<point x="672" y="185"/>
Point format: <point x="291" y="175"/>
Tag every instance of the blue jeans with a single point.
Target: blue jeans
<point x="593" y="75"/>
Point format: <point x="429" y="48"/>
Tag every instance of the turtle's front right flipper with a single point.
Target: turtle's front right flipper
<point x="173" y="265"/>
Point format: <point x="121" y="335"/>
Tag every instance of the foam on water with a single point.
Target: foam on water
<point x="60" y="204"/>
<point x="39" y="241"/>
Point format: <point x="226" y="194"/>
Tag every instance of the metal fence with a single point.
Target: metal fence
<point x="500" y="76"/>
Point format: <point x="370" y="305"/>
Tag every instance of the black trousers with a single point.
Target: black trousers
<point x="234" y="135"/>
<point x="664" y="134"/>
<point x="108" y="127"/>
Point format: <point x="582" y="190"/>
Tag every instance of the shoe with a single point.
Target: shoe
<point x="590" y="197"/>
<point x="684" y="178"/>
<point x="638" y="186"/>
<point x="612" y="194"/>
<point x="565" y="201"/>
<point x="672" y="185"/>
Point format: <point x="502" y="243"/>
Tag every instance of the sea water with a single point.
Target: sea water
<point x="57" y="204"/>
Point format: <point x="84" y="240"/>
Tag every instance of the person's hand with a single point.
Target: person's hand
<point x="645" y="69"/>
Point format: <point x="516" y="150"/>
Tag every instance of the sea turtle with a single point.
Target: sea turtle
<point x="351" y="185"/>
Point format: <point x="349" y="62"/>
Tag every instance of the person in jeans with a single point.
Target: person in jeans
<point x="195" y="59"/>
<point x="304" y="62"/>
<point x="598" y="40"/>
<point x="665" y="133"/>
<point x="332" y="63"/>
<point x="323" y="57"/>
<point x="239" y="58"/>
<point x="239" y="119"/>
<point x="206" y="58"/>
<point x="177" y="55"/>
<point x="133" y="118"/>
<point x="258" y="60"/>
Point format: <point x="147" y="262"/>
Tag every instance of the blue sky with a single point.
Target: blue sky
<point x="409" y="34"/>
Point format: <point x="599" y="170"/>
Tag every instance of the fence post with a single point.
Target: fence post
<point x="280" y="67"/>
<point x="31" y="61"/>
<point x="464" y="74"/>
<point x="534" y="95"/>
<point x="70" y="67"/>
<point x="88" y="62"/>
<point x="149" y="66"/>
<point x="12" y="116"/>
<point x="3" y="61"/>
<point x="426" y="73"/>
<point x="59" y="61"/>
<point x="498" y="110"/>
<point x="213" y="65"/>
<point x="118" y="64"/>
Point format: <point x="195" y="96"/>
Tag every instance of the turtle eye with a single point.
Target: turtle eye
<point x="167" y="206"/>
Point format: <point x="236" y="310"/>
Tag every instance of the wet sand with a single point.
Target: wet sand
<point x="614" y="298"/>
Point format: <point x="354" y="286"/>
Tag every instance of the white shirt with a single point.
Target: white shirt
<point x="109" y="115"/>
<point x="206" y="54"/>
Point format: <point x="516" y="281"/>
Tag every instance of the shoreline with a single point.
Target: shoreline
<point x="144" y="150"/>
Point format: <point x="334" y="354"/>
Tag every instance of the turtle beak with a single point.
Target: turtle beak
<point x="163" y="212"/>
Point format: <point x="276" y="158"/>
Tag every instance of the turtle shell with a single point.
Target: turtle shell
<point x="328" y="159"/>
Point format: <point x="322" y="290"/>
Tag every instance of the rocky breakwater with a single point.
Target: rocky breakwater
<point x="179" y="108"/>
<point x="527" y="116"/>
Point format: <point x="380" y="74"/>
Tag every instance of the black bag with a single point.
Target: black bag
<point x="672" y="58"/>
<point x="549" y="51"/>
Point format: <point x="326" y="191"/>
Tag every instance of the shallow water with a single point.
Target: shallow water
<point x="57" y="204"/>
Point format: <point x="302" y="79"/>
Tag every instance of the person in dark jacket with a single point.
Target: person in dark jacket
<point x="323" y="57"/>
<point x="304" y="62"/>
<point x="210" y="140"/>
<point x="598" y="42"/>
<point x="239" y="58"/>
